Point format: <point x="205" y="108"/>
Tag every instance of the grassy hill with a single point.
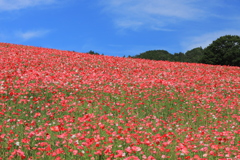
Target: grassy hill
<point x="58" y="104"/>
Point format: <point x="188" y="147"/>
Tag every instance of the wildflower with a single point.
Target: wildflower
<point x="17" y="143"/>
<point x="128" y="149"/>
<point x="25" y="140"/>
<point x="120" y="154"/>
<point x="151" y="158"/>
<point x="132" y="158"/>
<point x="37" y="115"/>
<point x="135" y="148"/>
<point x="55" y="128"/>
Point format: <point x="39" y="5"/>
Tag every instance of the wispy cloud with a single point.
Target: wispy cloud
<point x="205" y="39"/>
<point x="31" y="34"/>
<point x="8" y="5"/>
<point x="153" y="13"/>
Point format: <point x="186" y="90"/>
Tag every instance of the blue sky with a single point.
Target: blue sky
<point x="118" y="27"/>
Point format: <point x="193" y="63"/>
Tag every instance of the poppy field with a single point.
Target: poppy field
<point x="62" y="105"/>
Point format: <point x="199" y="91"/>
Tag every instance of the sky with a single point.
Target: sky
<point x="118" y="27"/>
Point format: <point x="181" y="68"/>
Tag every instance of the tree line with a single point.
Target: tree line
<point x="192" y="56"/>
<point x="223" y="51"/>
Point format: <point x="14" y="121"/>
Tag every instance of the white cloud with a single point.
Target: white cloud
<point x="206" y="39"/>
<point x="8" y="5"/>
<point x="31" y="34"/>
<point x="152" y="13"/>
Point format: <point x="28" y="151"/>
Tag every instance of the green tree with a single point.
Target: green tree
<point x="92" y="52"/>
<point x="194" y="55"/>
<point x="155" y="55"/>
<point x="178" y="57"/>
<point x="223" y="51"/>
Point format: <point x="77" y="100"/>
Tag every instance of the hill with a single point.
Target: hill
<point x="66" y="105"/>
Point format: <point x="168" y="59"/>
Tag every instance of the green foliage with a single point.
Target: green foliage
<point x="178" y="57"/>
<point x="155" y="55"/>
<point x="92" y="52"/>
<point x="192" y="56"/>
<point x="223" y="51"/>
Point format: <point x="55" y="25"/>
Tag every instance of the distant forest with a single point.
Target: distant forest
<point x="192" y="56"/>
<point x="223" y="51"/>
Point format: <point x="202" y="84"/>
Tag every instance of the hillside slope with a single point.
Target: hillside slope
<point x="59" y="104"/>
